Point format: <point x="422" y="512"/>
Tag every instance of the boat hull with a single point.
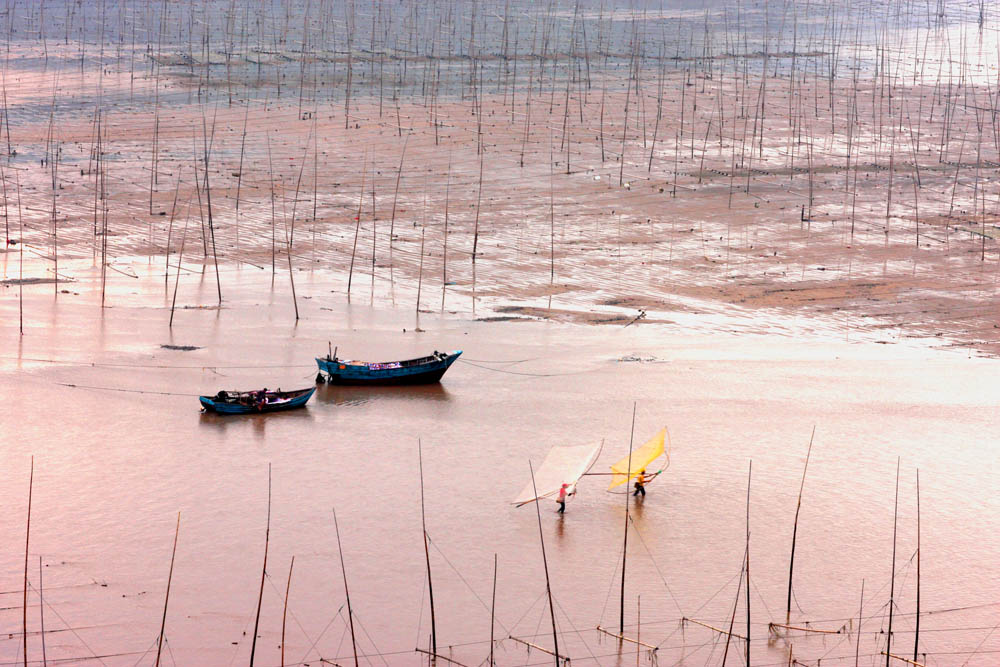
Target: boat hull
<point x="228" y="408"/>
<point x="426" y="370"/>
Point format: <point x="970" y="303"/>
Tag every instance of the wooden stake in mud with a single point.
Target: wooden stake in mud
<point x="795" y="529"/>
<point x="27" y="536"/>
<point x="41" y="611"/>
<point x="263" y="570"/>
<point x="284" y="612"/>
<point x="166" y="598"/>
<point x="420" y="271"/>
<point x="180" y="261"/>
<point x="357" y="228"/>
<point x="347" y="593"/>
<point x="621" y="614"/>
<point x="170" y="231"/>
<point x="732" y="619"/>
<point x="444" y="251"/>
<point x="892" y="583"/>
<point x="916" y="634"/>
<point x="395" y="198"/>
<point x="747" y="564"/>
<point x="493" y="608"/>
<point x="857" y="641"/>
<point x="427" y="553"/>
<point x="545" y="564"/>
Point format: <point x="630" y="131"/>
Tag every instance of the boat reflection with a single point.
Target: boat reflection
<point x="346" y="395"/>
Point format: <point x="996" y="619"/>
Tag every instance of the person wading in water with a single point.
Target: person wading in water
<point x="564" y="493"/>
<point x="640" y="483"/>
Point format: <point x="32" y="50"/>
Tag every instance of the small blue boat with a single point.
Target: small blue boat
<point x="253" y="402"/>
<point x="423" y="370"/>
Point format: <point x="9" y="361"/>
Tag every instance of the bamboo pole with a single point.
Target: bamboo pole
<point x="347" y="593"/>
<point x="166" y="598"/>
<point x="427" y="553"/>
<point x="621" y="611"/>
<point x="263" y="570"/>
<point x="284" y="612"/>
<point x="545" y="564"/>
<point x="357" y="228"/>
<point x="493" y="607"/>
<point x="27" y="538"/>
<point x="795" y="529"/>
<point x="892" y="582"/>
<point x="916" y="633"/>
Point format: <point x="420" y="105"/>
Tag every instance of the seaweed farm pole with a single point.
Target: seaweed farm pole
<point x="27" y="536"/>
<point x="395" y="198"/>
<point x="892" y="582"/>
<point x="545" y="564"/>
<point x="479" y="200"/>
<point x="732" y="619"/>
<point x="427" y="553"/>
<point x="20" y="258"/>
<point x="916" y="633"/>
<point x="628" y="476"/>
<point x="239" y="176"/>
<point x="493" y="607"/>
<point x="747" y="564"/>
<point x="347" y="593"/>
<point x="795" y="529"/>
<point x="170" y="229"/>
<point x="444" y="251"/>
<point x="180" y="260"/>
<point x="357" y="228"/>
<point x="420" y="271"/>
<point x="284" y="612"/>
<point x="41" y="610"/>
<point x="208" y="199"/>
<point x="263" y="570"/>
<point x="857" y="641"/>
<point x="166" y="599"/>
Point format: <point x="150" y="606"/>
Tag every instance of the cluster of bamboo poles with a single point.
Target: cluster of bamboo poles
<point x="759" y="95"/>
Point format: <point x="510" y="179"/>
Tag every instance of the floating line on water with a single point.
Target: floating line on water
<point x="127" y="391"/>
<point x="538" y="375"/>
<point x="97" y="364"/>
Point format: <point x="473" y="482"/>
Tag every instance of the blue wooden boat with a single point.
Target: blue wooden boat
<point x="423" y="370"/>
<point x="253" y="402"/>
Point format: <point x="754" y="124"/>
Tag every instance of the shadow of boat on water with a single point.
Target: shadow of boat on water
<point x="350" y="395"/>
<point x="257" y="421"/>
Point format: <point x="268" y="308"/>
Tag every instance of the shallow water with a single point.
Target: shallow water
<point x="113" y="468"/>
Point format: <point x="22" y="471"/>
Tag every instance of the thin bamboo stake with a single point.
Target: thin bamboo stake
<point x="357" y="228"/>
<point x="892" y="583"/>
<point x="284" y="612"/>
<point x="427" y="553"/>
<point x="545" y="564"/>
<point x="916" y="633"/>
<point x="747" y="565"/>
<point x="41" y="611"/>
<point x="795" y="528"/>
<point x="493" y="608"/>
<point x="263" y="570"/>
<point x="180" y="261"/>
<point x="166" y="598"/>
<point x="27" y="537"/>
<point x="347" y="593"/>
<point x="621" y="614"/>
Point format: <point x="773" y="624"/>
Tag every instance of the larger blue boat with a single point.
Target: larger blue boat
<point x="423" y="370"/>
<point x="252" y="402"/>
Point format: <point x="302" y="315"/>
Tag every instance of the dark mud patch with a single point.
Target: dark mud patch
<point x="503" y="318"/>
<point x="30" y="281"/>
<point x="181" y="348"/>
